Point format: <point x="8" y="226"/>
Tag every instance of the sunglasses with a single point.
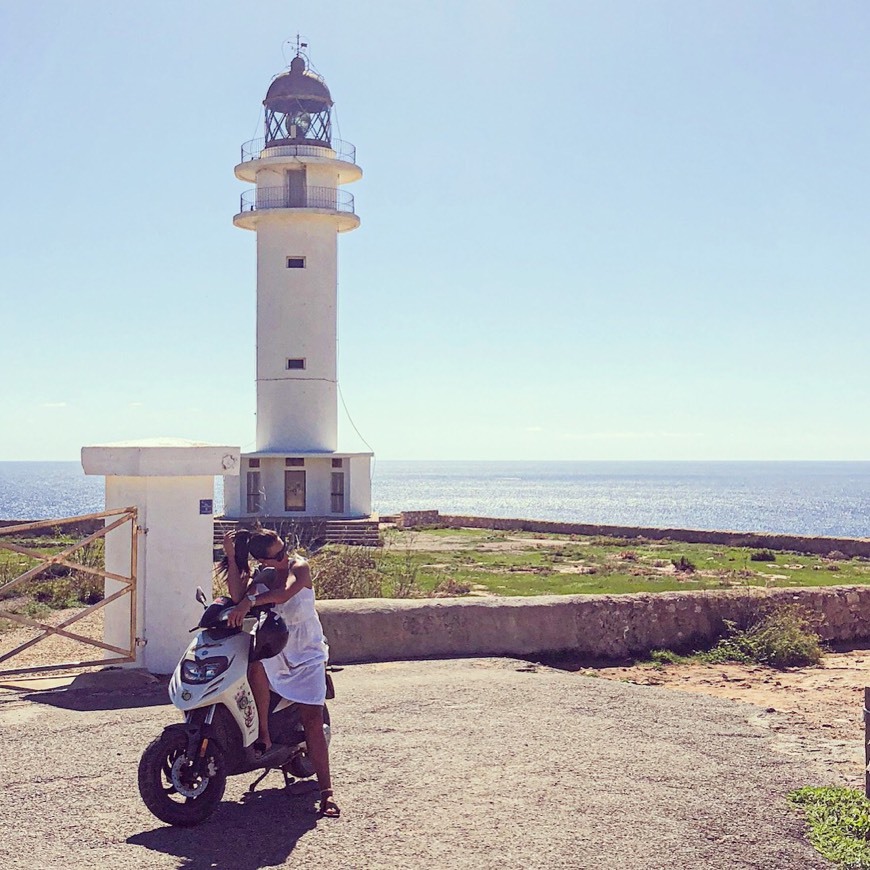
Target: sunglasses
<point x="277" y="557"/>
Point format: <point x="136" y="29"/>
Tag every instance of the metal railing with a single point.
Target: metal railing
<point x="337" y="149"/>
<point x="330" y="198"/>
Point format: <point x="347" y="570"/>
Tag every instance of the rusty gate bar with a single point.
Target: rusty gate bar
<point x="45" y="560"/>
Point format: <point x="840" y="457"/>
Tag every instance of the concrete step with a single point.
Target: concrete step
<point x="318" y="530"/>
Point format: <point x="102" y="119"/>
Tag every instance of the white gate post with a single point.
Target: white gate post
<point x="171" y="483"/>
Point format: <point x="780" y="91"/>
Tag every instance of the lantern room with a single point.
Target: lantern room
<point x="298" y="107"/>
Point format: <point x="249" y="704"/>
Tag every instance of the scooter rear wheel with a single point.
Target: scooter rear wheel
<point x="170" y="788"/>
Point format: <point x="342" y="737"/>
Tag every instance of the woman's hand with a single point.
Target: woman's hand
<point x="237" y="615"/>
<point x="230" y="545"/>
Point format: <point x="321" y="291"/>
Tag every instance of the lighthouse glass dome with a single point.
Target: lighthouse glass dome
<point x="298" y="105"/>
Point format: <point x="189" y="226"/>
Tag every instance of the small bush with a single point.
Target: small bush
<point x="72" y="591"/>
<point x="35" y="610"/>
<point x="346" y="572"/>
<point x="628" y="556"/>
<point x="781" y="637"/>
<point x="450" y="588"/>
<point x="666" y="657"/>
<point x="684" y="565"/>
<point x="762" y="556"/>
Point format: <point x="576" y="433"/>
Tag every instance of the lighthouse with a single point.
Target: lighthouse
<point x="297" y="207"/>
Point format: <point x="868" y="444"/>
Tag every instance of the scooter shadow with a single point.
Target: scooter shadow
<point x="260" y="831"/>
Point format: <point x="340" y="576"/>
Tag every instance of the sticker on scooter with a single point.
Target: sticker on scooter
<point x="245" y="703"/>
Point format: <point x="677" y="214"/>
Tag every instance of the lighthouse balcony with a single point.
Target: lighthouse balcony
<point x="330" y="202"/>
<point x="260" y="153"/>
<point x="257" y="149"/>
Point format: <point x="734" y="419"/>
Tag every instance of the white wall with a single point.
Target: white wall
<point x="296" y="318"/>
<point x="359" y="486"/>
<point x="318" y="486"/>
<point x="175" y="555"/>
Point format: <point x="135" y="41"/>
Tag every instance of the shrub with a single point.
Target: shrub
<point x="71" y="591"/>
<point x="783" y="636"/>
<point x="449" y="588"/>
<point x="762" y="556"/>
<point x="346" y="572"/>
<point x="666" y="657"/>
<point x="628" y="556"/>
<point x="684" y="565"/>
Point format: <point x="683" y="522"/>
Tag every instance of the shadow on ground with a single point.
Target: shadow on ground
<point x="87" y="701"/>
<point x="261" y="831"/>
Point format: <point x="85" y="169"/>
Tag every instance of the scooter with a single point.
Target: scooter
<point x="183" y="772"/>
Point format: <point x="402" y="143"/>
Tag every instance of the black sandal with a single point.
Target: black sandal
<point x="328" y="808"/>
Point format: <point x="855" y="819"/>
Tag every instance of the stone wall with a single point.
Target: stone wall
<point x="593" y="626"/>
<point x="410" y="519"/>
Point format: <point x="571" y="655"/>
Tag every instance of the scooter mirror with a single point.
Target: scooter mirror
<point x="200" y="596"/>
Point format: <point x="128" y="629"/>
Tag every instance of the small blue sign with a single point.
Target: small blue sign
<point x="206" y="506"/>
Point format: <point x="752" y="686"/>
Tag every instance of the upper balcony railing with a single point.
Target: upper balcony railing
<point x="330" y="198"/>
<point x="256" y="149"/>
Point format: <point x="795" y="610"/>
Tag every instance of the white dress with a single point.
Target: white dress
<point x="298" y="672"/>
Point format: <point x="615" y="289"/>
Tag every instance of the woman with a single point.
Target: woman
<point x="298" y="672"/>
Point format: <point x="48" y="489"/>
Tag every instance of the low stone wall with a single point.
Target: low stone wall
<point x="410" y="519"/>
<point x="760" y="540"/>
<point x="594" y="626"/>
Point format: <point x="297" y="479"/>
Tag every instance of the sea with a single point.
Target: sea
<point x="803" y="498"/>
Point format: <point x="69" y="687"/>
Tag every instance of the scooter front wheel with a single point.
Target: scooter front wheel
<point x="173" y="788"/>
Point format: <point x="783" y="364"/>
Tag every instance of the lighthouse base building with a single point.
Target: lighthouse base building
<point x="297" y="474"/>
<point x="300" y="485"/>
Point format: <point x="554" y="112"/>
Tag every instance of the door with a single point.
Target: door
<point x="337" y="494"/>
<point x="296" y="197"/>
<point x="294" y="490"/>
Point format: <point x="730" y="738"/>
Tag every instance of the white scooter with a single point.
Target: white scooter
<point x="183" y="773"/>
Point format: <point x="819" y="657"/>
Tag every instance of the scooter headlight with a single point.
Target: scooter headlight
<point x="204" y="670"/>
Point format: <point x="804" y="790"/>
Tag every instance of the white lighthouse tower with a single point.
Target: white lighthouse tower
<point x="297" y="209"/>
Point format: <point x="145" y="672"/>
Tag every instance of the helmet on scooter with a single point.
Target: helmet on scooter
<point x="270" y="636"/>
<point x="211" y="619"/>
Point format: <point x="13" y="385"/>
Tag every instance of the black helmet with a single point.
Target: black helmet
<point x="270" y="636"/>
<point x="211" y="619"/>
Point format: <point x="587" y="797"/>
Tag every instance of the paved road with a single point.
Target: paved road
<point x="483" y="763"/>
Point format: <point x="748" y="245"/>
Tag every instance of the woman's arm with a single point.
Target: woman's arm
<point x="298" y="577"/>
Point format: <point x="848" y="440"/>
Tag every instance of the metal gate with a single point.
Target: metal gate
<point x="42" y="564"/>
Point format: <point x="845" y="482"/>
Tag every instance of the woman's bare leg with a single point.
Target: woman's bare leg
<point x="318" y="751"/>
<point x="260" y="687"/>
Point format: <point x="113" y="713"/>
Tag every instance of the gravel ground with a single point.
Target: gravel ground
<point x="481" y="763"/>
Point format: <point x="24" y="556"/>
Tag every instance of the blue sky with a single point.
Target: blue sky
<point x="610" y="230"/>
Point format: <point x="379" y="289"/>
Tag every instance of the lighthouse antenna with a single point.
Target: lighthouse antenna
<point x="297" y="48"/>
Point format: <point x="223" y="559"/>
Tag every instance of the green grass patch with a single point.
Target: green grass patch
<point x="839" y="820"/>
<point x="525" y="563"/>
<point x="57" y="586"/>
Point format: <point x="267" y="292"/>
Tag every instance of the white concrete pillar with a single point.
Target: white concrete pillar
<point x="171" y="483"/>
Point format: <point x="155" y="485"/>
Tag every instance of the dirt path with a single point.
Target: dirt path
<point x="817" y="710"/>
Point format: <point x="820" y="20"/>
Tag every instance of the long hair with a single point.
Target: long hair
<point x="247" y="544"/>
